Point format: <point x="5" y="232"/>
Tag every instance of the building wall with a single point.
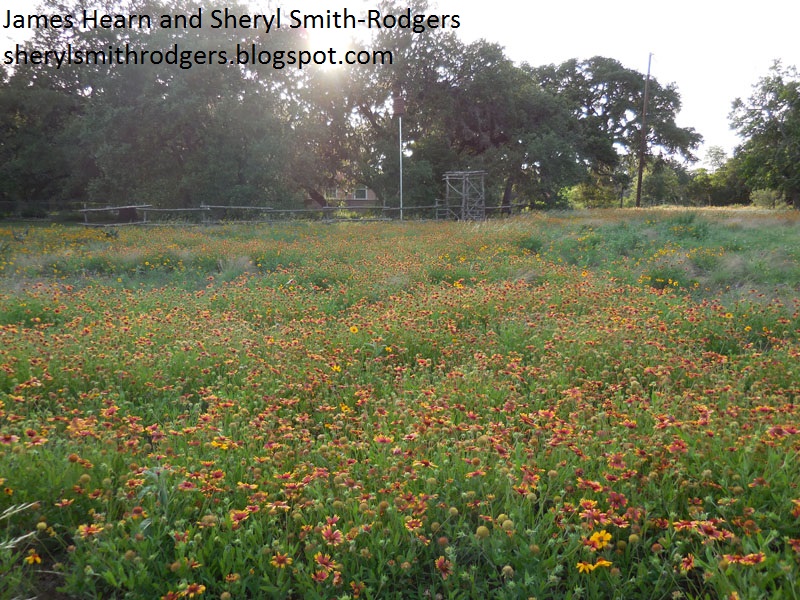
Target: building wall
<point x="359" y="196"/>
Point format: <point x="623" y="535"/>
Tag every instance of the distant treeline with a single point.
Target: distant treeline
<point x="253" y="135"/>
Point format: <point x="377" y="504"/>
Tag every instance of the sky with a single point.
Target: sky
<point x="713" y="50"/>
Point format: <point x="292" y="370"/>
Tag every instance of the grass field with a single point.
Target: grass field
<point x="578" y="405"/>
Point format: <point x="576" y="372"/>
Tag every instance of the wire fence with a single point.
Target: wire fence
<point x="103" y="215"/>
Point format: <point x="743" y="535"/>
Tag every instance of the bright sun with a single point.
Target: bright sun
<point x="324" y="39"/>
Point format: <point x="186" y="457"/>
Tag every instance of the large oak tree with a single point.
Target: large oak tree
<point x="769" y="122"/>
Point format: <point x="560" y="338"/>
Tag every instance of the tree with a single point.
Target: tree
<point x="422" y="74"/>
<point x="34" y="163"/>
<point x="254" y="135"/>
<point x="769" y="122"/>
<point x="606" y="99"/>
<point x="723" y="186"/>
<point x="520" y="133"/>
<point x="342" y="126"/>
<point x="664" y="183"/>
<point x="153" y="132"/>
<point x="716" y="158"/>
<point x="467" y="107"/>
<point x="604" y="190"/>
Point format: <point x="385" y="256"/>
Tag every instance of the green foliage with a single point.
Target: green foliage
<point x="769" y="121"/>
<point x="725" y="186"/>
<point x="687" y="225"/>
<point x="366" y="404"/>
<point x="593" y="194"/>
<point x="624" y="240"/>
<point x="608" y="98"/>
<point x="145" y="134"/>
<point x="661" y="186"/>
<point x="28" y="313"/>
<point x="13" y="579"/>
<point x="34" y="156"/>
<point x="533" y="244"/>
<point x="767" y="198"/>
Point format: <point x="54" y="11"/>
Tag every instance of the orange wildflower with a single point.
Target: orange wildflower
<point x="281" y="561"/>
<point x="444" y="566"/>
<point x="90" y="530"/>
<point x="687" y="563"/>
<point x="332" y="536"/>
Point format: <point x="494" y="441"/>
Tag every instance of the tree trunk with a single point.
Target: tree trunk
<point x="317" y="197"/>
<point x="795" y="195"/>
<point x="506" y="202"/>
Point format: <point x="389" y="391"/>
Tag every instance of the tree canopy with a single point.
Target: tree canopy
<point x="769" y="122"/>
<point x="251" y="134"/>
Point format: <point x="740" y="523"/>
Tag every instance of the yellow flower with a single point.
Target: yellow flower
<point x="602" y="562"/>
<point x="584" y="567"/>
<point x="33" y="558"/>
<point x="353" y="329"/>
<point x="600" y="539"/>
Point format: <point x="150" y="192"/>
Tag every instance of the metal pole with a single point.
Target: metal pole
<point x="399" y="111"/>
<point x="400" y="124"/>
<point x="643" y="146"/>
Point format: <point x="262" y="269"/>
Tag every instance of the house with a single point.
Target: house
<point x="359" y="196"/>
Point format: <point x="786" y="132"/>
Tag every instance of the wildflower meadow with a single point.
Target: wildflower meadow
<point x="564" y="405"/>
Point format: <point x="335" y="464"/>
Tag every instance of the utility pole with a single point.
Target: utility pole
<point x="643" y="146"/>
<point x="399" y="111"/>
